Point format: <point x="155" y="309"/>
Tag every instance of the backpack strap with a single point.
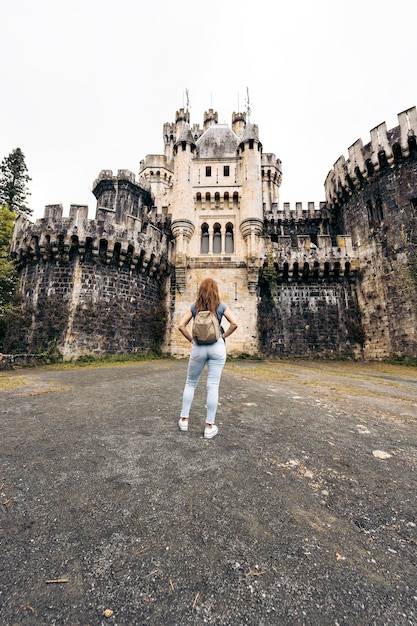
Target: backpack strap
<point x="219" y="312"/>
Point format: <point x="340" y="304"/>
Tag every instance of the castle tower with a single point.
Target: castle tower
<point x="251" y="209"/>
<point x="169" y="140"/>
<point x="238" y="123"/>
<point x="182" y="204"/>
<point x="210" y="117"/>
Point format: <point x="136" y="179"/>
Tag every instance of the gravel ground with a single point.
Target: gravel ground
<point x="301" y="511"/>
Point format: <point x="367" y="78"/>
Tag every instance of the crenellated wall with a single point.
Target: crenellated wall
<point x="386" y="149"/>
<point x="308" y="304"/>
<point x="372" y="196"/>
<point x="94" y="286"/>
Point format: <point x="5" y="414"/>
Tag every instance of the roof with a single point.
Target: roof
<point x="218" y="141"/>
<point x="185" y="135"/>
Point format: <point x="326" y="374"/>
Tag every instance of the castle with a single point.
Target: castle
<point x="337" y="279"/>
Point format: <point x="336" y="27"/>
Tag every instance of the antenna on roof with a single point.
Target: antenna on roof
<point x="248" y="109"/>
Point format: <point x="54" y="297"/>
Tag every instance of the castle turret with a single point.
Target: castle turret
<point x="210" y="117"/>
<point x="182" y="206"/>
<point x="251" y="210"/>
<point x="169" y="140"/>
<point x="238" y="123"/>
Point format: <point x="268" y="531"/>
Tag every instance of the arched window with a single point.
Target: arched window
<point x="316" y="271"/>
<point x="306" y="272"/>
<point x="217" y="239"/>
<point x="295" y="271"/>
<point x="235" y="197"/>
<point x="226" y="199"/>
<point x="208" y="198"/>
<point x="204" y="247"/>
<point x="217" y="199"/>
<point x="229" y="243"/>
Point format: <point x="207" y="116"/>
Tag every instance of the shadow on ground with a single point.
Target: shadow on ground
<point x="301" y="511"/>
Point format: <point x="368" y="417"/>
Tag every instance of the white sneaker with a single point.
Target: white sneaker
<point x="183" y="424"/>
<point x="209" y="433"/>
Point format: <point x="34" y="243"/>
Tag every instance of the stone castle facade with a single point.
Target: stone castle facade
<point x="333" y="279"/>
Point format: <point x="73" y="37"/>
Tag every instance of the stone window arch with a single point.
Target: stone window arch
<point x="217" y="238"/>
<point x="235" y="197"/>
<point x="229" y="246"/>
<point x="378" y="210"/>
<point x="226" y="199"/>
<point x="305" y="276"/>
<point x="217" y="199"/>
<point x="316" y="271"/>
<point x="208" y="198"/>
<point x="326" y="273"/>
<point x="205" y="239"/>
<point x="295" y="275"/>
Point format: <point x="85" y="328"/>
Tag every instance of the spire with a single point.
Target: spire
<point x="248" y="109"/>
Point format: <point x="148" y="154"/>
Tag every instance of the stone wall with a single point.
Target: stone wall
<point x="88" y="309"/>
<point x="90" y="287"/>
<point x="310" y="321"/>
<point x="373" y="197"/>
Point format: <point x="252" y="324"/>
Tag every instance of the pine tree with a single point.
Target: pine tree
<point x="13" y="182"/>
<point x="8" y="273"/>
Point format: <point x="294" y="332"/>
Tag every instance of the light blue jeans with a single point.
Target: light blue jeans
<point x="215" y="357"/>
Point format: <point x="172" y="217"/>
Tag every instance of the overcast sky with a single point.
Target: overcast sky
<point x="88" y="84"/>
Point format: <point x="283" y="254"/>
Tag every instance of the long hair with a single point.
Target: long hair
<point x="208" y="298"/>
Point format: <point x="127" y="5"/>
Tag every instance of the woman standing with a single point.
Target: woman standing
<point x="214" y="355"/>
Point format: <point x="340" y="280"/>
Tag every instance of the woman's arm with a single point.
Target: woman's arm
<point x="183" y="324"/>
<point x="232" y="323"/>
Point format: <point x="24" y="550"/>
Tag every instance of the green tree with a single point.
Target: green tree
<point x="13" y="182"/>
<point x="8" y="273"/>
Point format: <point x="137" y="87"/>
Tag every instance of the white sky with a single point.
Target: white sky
<point x="88" y="84"/>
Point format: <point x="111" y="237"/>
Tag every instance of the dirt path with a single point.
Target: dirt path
<point x="301" y="511"/>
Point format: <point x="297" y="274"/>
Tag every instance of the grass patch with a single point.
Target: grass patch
<point x="109" y="359"/>
<point x="10" y="381"/>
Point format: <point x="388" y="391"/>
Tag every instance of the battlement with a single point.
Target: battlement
<point x="126" y="175"/>
<point x="300" y="259"/>
<point x="296" y="212"/>
<point x="154" y="161"/>
<point x="386" y="149"/>
<point x="55" y="238"/>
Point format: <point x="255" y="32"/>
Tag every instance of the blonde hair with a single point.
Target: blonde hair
<point x="208" y="298"/>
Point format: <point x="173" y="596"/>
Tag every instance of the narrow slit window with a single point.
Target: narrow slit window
<point x="229" y="242"/>
<point x="204" y="247"/>
<point x="217" y="239"/>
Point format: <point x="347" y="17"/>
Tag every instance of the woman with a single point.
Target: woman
<point x="213" y="354"/>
